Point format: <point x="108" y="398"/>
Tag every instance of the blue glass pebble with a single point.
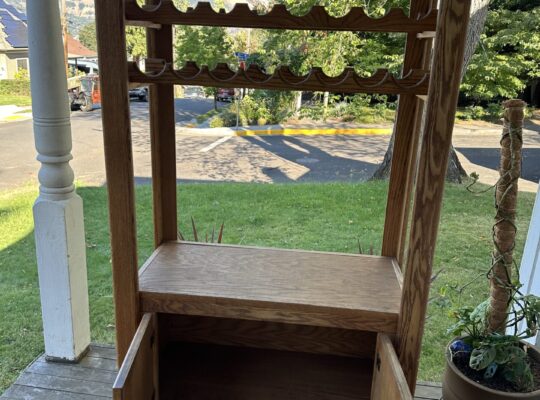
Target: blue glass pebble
<point x="490" y="371"/>
<point x="460" y="347"/>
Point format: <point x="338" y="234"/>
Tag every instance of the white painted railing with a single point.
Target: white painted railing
<point x="530" y="262"/>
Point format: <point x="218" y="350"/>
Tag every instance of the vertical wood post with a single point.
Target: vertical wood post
<point x="110" y="27"/>
<point x="163" y="139"/>
<point x="58" y="211"/>
<point x="435" y="146"/>
<point x="406" y="138"/>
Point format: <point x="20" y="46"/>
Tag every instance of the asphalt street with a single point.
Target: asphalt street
<point x="246" y="159"/>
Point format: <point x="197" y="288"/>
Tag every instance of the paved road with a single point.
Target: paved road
<point x="18" y="163"/>
<point x="246" y="159"/>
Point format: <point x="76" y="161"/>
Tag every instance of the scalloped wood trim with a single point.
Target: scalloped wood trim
<point x="384" y="82"/>
<point x="279" y="17"/>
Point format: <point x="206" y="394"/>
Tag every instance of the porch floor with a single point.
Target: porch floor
<point x="93" y="376"/>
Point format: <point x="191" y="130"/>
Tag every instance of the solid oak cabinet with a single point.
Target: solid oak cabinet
<point x="223" y="322"/>
<point x="209" y="358"/>
<point x="253" y="323"/>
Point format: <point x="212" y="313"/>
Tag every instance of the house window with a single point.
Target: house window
<point x="22" y="63"/>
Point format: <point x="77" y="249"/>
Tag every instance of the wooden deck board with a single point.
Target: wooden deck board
<point x="91" y="380"/>
<point x="300" y="287"/>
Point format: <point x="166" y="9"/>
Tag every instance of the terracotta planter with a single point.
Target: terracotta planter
<point x="457" y="386"/>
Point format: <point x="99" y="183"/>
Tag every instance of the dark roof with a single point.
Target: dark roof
<point x="14" y="25"/>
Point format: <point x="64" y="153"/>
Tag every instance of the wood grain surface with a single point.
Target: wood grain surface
<point x="389" y="382"/>
<point x="415" y="82"/>
<point x="406" y="138"/>
<point x="204" y="372"/>
<point x="136" y="379"/>
<point x="163" y="140"/>
<point x="93" y="377"/>
<point x="279" y="18"/>
<point x="436" y="142"/>
<point x="119" y="167"/>
<point x="266" y="335"/>
<point x="299" y="287"/>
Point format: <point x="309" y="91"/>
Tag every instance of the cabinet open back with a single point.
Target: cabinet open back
<point x="203" y="321"/>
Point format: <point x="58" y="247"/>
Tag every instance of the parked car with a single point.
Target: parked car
<point x="140" y="93"/>
<point x="225" y="94"/>
<point x="193" y="92"/>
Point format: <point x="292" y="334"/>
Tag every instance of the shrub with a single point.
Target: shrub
<point x="15" y="87"/>
<point x="203" y="117"/>
<point x="495" y="110"/>
<point x="278" y="105"/>
<point x="229" y="117"/>
<point x="217" y="122"/>
<point x="253" y="110"/>
<point x="314" y="112"/>
<point x="22" y="75"/>
<point x="492" y="112"/>
<point x="249" y="108"/>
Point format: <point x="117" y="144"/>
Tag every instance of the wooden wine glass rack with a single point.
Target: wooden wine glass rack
<point x="203" y="321"/>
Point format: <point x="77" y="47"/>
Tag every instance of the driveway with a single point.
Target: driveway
<point x="248" y="159"/>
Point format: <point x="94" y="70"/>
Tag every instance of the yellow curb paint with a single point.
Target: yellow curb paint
<point x="324" y="131"/>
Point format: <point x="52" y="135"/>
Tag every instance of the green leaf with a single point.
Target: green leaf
<point x="482" y="357"/>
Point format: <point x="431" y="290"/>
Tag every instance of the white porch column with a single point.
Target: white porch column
<point x="529" y="271"/>
<point x="58" y="211"/>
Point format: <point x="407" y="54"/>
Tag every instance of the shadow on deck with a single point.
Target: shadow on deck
<point x="93" y="376"/>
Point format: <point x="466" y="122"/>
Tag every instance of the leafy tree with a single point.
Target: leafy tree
<point x="455" y="171"/>
<point x="514" y="5"/>
<point x="204" y="45"/>
<point x="136" y="42"/>
<point x="334" y="51"/>
<point x="87" y="36"/>
<point x="509" y="55"/>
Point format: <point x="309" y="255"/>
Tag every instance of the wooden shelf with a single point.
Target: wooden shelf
<point x="288" y="286"/>
<point x="241" y="16"/>
<point x="199" y="372"/>
<point x="384" y="82"/>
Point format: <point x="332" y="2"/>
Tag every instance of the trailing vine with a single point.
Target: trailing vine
<point x="487" y="344"/>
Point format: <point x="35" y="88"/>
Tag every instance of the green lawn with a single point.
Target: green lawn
<point x="22" y="101"/>
<point x="322" y="216"/>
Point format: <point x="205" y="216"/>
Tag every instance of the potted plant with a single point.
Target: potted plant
<point x="489" y="359"/>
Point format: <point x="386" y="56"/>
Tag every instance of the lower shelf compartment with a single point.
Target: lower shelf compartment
<point x="191" y="371"/>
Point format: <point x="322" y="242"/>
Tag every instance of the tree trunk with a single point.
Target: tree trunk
<point x="326" y="99"/>
<point x="298" y="104"/>
<point x="504" y="230"/>
<point x="455" y="171"/>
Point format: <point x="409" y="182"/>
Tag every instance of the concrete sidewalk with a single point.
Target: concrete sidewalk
<point x="13" y="113"/>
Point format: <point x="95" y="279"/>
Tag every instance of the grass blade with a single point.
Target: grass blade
<point x="195" y="235"/>
<point x="220" y="236"/>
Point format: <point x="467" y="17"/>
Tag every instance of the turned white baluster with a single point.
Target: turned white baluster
<point x="58" y="211"/>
